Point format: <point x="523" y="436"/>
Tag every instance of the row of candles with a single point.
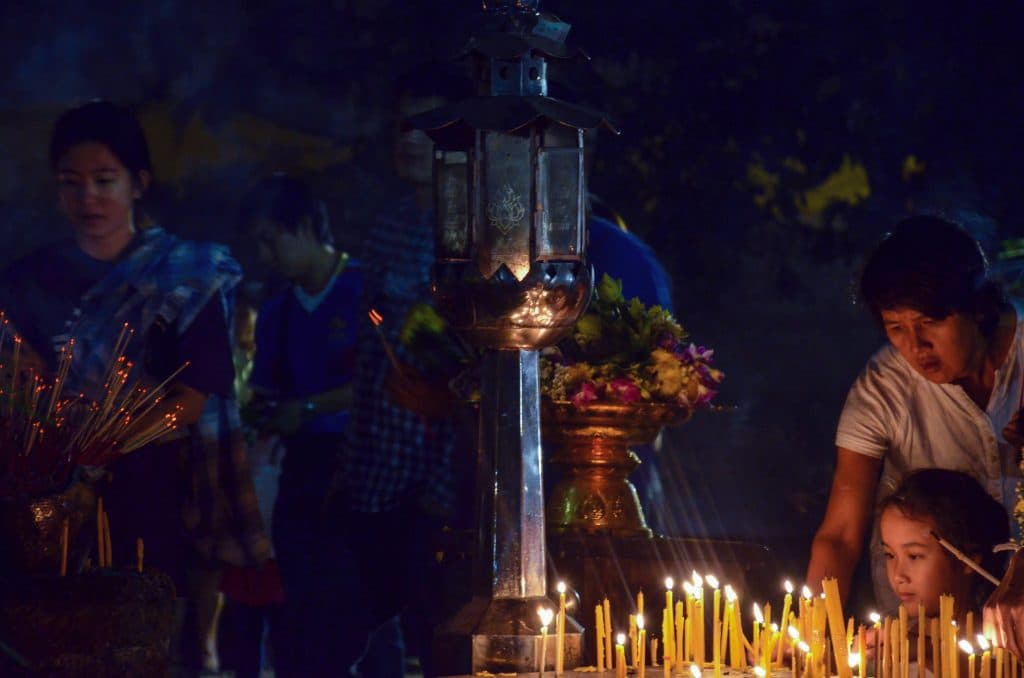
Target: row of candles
<point x="804" y="645"/>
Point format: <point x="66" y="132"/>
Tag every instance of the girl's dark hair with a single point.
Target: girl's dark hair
<point x="963" y="513"/>
<point x="288" y="202"/>
<point x="102" y="122"/>
<point x="932" y="266"/>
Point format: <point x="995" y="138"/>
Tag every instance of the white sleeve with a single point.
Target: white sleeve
<point x="869" y="416"/>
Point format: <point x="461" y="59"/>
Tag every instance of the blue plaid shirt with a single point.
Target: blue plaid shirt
<point x="392" y="456"/>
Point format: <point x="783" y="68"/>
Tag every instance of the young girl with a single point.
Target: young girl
<point x="951" y="505"/>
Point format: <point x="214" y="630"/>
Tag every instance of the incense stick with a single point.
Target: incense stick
<point x="962" y="557"/>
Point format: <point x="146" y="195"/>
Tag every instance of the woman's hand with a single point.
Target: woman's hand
<point x="1003" y="615"/>
<point x="413" y="391"/>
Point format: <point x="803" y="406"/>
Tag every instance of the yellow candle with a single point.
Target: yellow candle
<point x="641" y="655"/>
<point x="698" y="641"/>
<point x="608" y="632"/>
<point x="986" y="657"/>
<point x="599" y="635"/>
<point x="670" y="630"/>
<point x="937" y="661"/>
<point x="787" y="604"/>
<point x="545" y="614"/>
<point x="862" y="651"/>
<point x="716" y="627"/>
<point x="640" y="603"/>
<point x="834" y="608"/>
<point x="756" y="635"/>
<point x="654" y="651"/>
<point x="620" y="656"/>
<point x="876" y="620"/>
<point x="969" y="625"/>
<point x="922" y="632"/>
<point x="886" y="654"/>
<point x="904" y="622"/>
<point x="1000" y="659"/>
<point x="966" y="646"/>
<point x="560" y="631"/>
<point x="805" y="613"/>
<point x="666" y="649"/>
<point x="683" y="643"/>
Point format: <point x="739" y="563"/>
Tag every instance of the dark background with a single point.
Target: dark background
<point x="764" y="147"/>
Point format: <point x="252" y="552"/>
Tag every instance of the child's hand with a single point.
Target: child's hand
<point x="1003" y="616"/>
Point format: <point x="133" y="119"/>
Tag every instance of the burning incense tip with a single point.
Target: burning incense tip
<point x="376" y="318"/>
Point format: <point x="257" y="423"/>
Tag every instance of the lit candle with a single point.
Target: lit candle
<point x="716" y="625"/>
<point x="560" y="631"/>
<point x="608" y="632"/>
<point x="876" y="624"/>
<point x="802" y="646"/>
<point x="805" y="612"/>
<point x="545" y="614"/>
<point x="696" y="671"/>
<point x="685" y="650"/>
<point x="600" y="635"/>
<point x="986" y="656"/>
<point x="641" y="658"/>
<point x="966" y="646"/>
<point x="669" y="630"/>
<point x="862" y="652"/>
<point x="758" y="621"/>
<point x="620" y="655"/>
<point x="698" y="610"/>
<point x="794" y="639"/>
<point x="787" y="605"/>
<point x="853" y="659"/>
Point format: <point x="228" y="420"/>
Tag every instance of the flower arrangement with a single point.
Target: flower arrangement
<point x="622" y="351"/>
<point x="45" y="435"/>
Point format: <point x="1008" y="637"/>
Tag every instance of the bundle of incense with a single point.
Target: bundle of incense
<point x="44" y="435"/>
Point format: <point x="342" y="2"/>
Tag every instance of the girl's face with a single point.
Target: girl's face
<point x="918" y="568"/>
<point x="941" y="351"/>
<point x="97" y="192"/>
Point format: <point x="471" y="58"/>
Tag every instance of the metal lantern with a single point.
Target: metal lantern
<point x="511" y="275"/>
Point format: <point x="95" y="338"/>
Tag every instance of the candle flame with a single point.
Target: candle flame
<point x="688" y="588"/>
<point x="853" y="659"/>
<point x="758" y="617"/>
<point x="806" y="592"/>
<point x="561" y="587"/>
<point x="546" y="614"/>
<point x="698" y="581"/>
<point x="375" y="317"/>
<point x="712" y="580"/>
<point x="670" y="583"/>
<point x="788" y="585"/>
<point x="620" y="639"/>
<point x="730" y="593"/>
<point x="695" y="671"/>
<point x="875" y="618"/>
<point x="775" y="627"/>
<point x="804" y="647"/>
<point x="966" y="646"/>
<point x="983" y="643"/>
<point x="640" y="622"/>
<point x="794" y="633"/>
<point x="759" y="671"/>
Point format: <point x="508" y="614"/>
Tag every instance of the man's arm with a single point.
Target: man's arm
<point x="840" y="539"/>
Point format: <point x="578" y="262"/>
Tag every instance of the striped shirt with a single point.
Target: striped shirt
<point x="392" y="456"/>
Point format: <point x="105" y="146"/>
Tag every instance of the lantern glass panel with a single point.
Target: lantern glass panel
<point x="506" y="212"/>
<point x="452" y="172"/>
<point x="560" y="185"/>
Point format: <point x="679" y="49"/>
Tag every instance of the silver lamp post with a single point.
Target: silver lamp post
<point x="511" y="276"/>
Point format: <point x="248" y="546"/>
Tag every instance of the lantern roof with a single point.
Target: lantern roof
<point x="508" y="114"/>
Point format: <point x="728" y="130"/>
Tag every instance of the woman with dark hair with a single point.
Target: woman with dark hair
<point x="938" y="395"/>
<point x="176" y="297"/>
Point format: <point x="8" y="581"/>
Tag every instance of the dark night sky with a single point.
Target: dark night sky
<point x="735" y="117"/>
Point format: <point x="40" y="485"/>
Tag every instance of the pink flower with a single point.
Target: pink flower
<point x="625" y="389"/>
<point x="587" y="393"/>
